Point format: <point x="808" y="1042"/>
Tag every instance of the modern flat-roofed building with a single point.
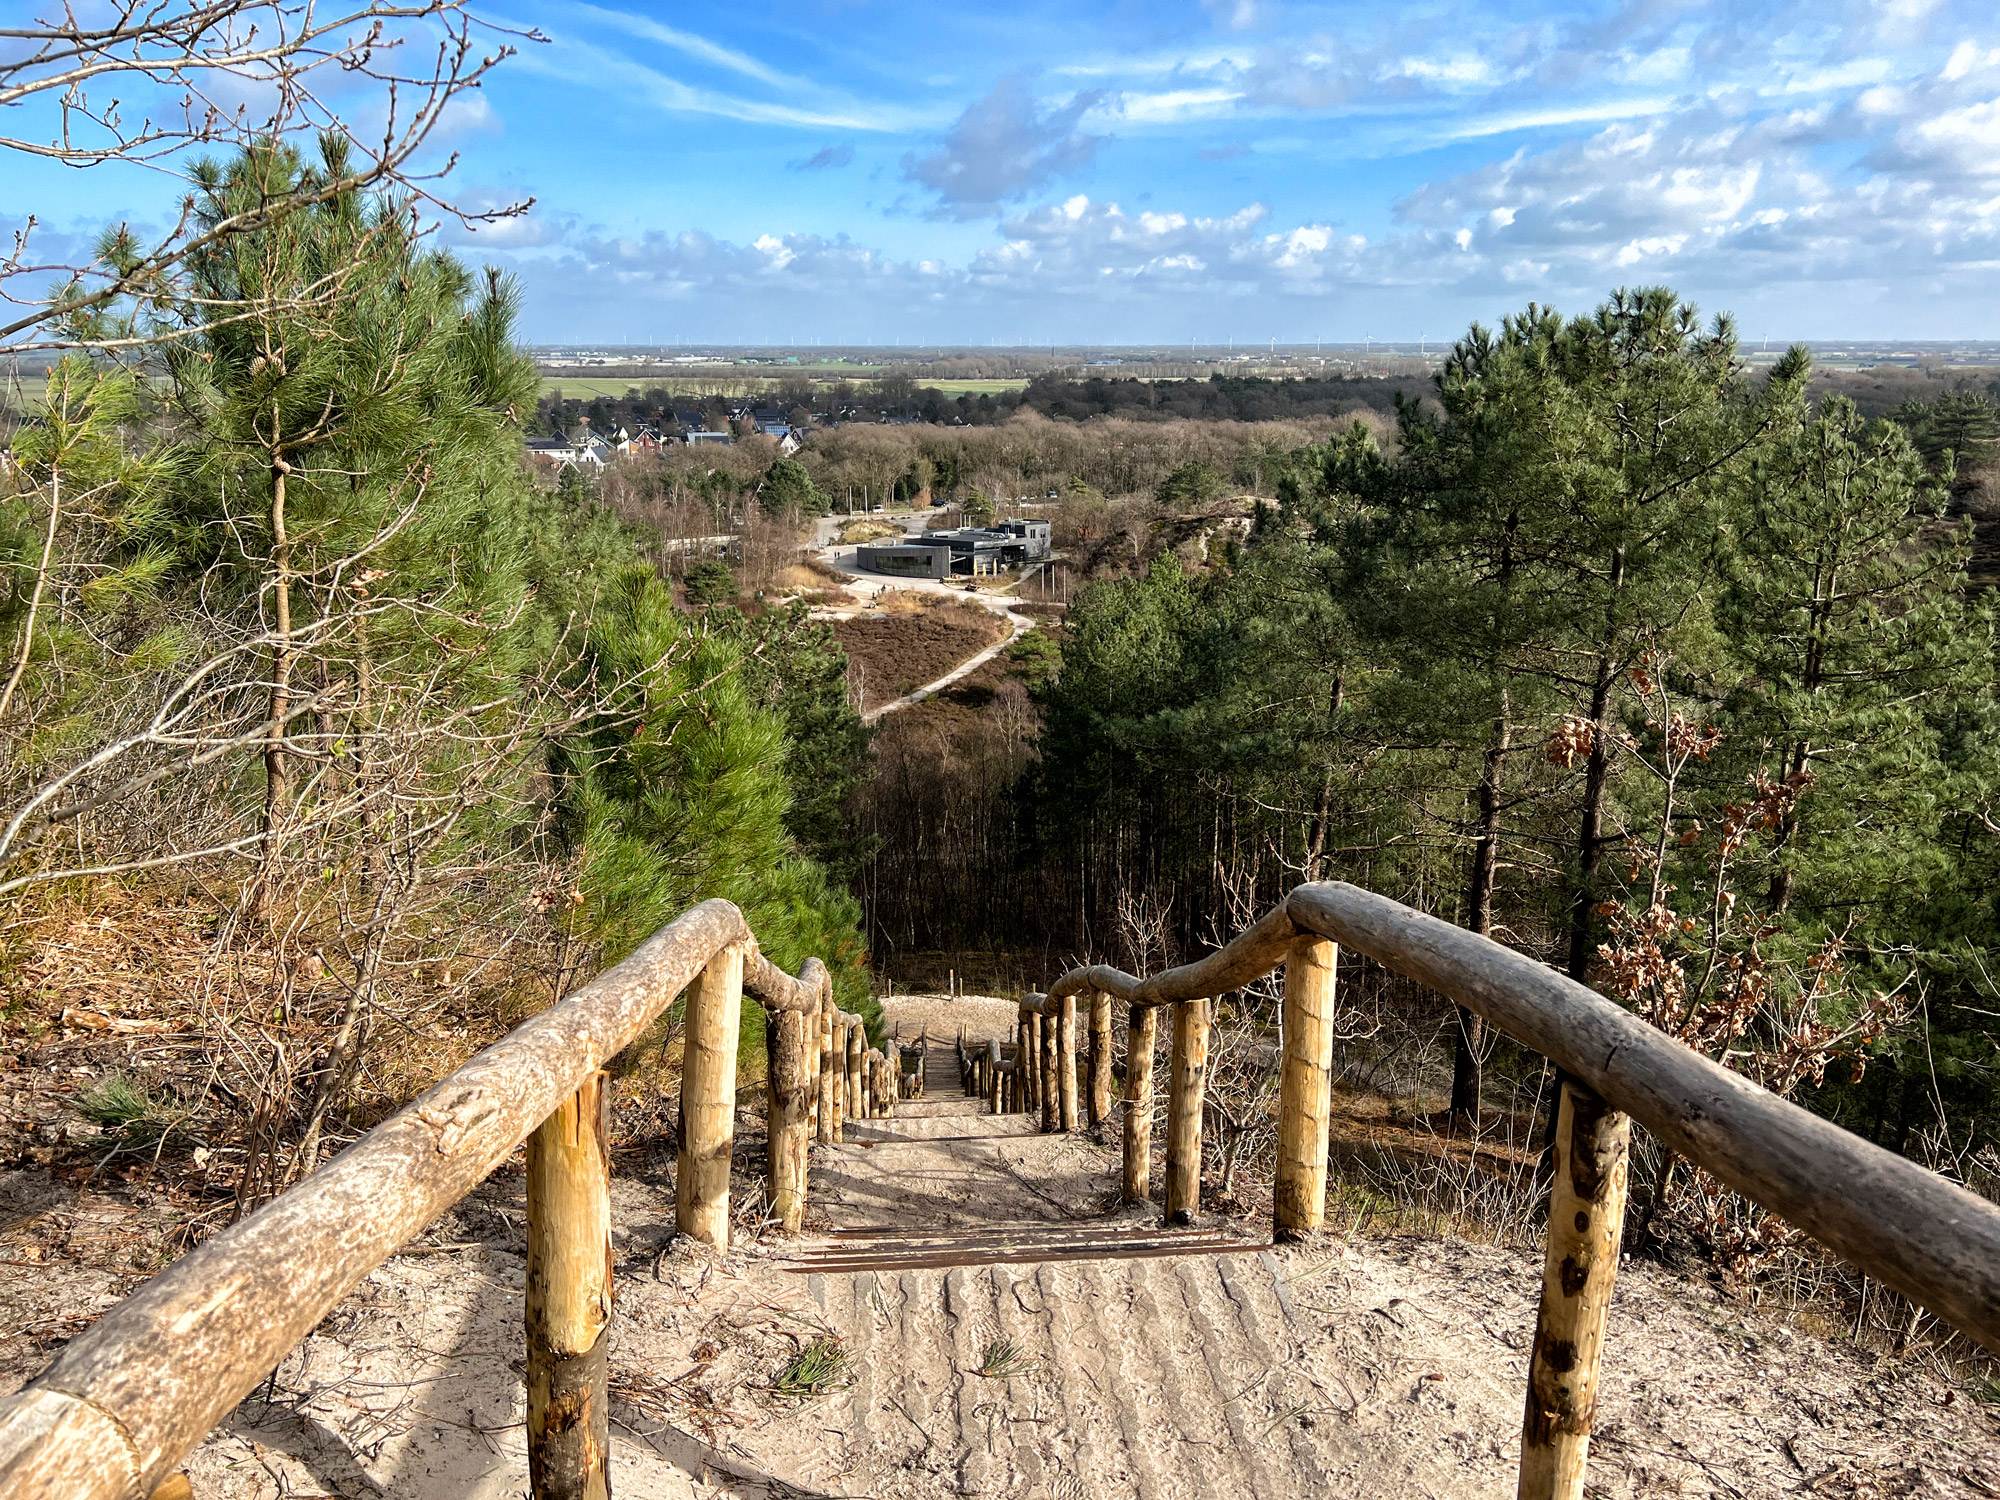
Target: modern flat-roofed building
<point x="969" y="552"/>
<point x="1038" y="535"/>
<point x="905" y="561"/>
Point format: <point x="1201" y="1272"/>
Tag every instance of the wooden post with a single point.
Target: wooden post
<point x="708" y="1099"/>
<point x="1186" y="1085"/>
<point x="1031" y="1045"/>
<point x="1066" y="1063"/>
<point x="1051" y="1085"/>
<point x="857" y="1043"/>
<point x="569" y="1298"/>
<point x="828" y="1124"/>
<point x="810" y="1031"/>
<point x="1100" y="1058"/>
<point x="788" y="1138"/>
<point x="1586" y="1218"/>
<point x="1141" y="1026"/>
<point x="1304" y="1094"/>
<point x="993" y="1102"/>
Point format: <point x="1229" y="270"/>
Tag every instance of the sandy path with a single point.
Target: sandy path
<point x="1380" y="1369"/>
<point x="1021" y="626"/>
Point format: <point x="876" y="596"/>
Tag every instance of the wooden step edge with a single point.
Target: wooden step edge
<point x="1025" y="1256"/>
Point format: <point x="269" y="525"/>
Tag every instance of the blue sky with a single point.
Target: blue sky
<point x="847" y="171"/>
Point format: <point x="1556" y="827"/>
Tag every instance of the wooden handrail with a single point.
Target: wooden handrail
<point x="1935" y="1242"/>
<point x="115" y="1413"/>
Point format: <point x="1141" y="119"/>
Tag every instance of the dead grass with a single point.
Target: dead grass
<point x="912" y="639"/>
<point x="868" y="531"/>
<point x="799" y="576"/>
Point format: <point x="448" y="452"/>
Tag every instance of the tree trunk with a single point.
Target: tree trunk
<point x="276" y="768"/>
<point x="1466" y="1061"/>
<point x="1597" y="776"/>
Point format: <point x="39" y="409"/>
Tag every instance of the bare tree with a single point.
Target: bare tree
<point x="159" y="85"/>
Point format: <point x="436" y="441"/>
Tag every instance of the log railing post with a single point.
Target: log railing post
<point x="857" y="1104"/>
<point x="1304" y="1093"/>
<point x="1586" y="1219"/>
<point x="1141" y="1027"/>
<point x="1051" y="1084"/>
<point x="1187" y="1086"/>
<point x="809" y="1030"/>
<point x="708" y="1099"/>
<point x="992" y="1066"/>
<point x="1031" y="1046"/>
<point x="788" y="1128"/>
<point x="569" y="1298"/>
<point x="827" y="1126"/>
<point x="1100" y="1058"/>
<point x="1066" y="1064"/>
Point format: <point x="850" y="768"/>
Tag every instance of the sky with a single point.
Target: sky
<point x="847" y="171"/>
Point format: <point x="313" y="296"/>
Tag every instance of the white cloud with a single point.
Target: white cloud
<point x="1968" y="57"/>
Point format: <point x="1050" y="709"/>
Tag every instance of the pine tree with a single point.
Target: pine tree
<point x="1846" y="605"/>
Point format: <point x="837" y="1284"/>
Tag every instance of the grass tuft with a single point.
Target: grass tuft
<point x="1005" y="1359"/>
<point x="816" y="1369"/>
<point x="118" y="1104"/>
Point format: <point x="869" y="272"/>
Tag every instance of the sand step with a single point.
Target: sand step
<point x="881" y="1248"/>
<point x="1159" y="1379"/>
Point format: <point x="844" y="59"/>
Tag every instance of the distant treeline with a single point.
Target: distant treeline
<point x="1233" y="398"/>
<point x="1238" y="398"/>
<point x="1877" y="392"/>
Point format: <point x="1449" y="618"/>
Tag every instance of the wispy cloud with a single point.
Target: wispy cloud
<point x="1176" y="105"/>
<point x="682" y="41"/>
<point x="590" y="66"/>
<point x="826" y="159"/>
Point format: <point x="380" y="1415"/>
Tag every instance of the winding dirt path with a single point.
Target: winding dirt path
<point x="1021" y="626"/>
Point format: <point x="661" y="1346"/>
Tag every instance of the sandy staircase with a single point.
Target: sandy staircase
<point x="1002" y="1344"/>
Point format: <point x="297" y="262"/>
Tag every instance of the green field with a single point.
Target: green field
<point x="975" y="387"/>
